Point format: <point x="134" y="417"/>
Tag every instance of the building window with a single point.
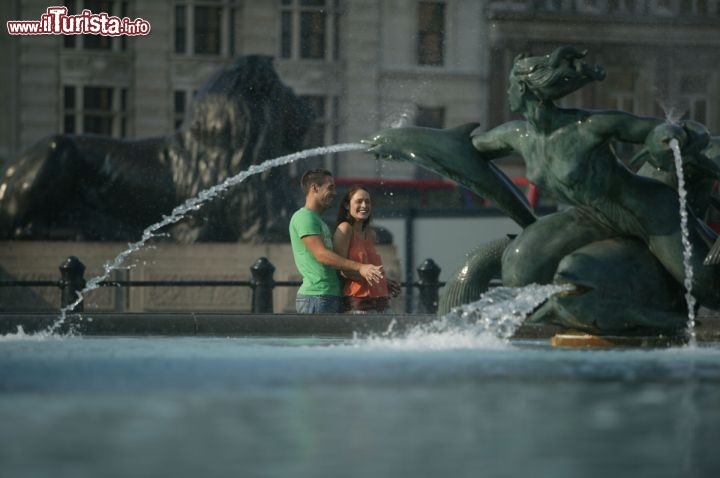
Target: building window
<point x="95" y="109"/>
<point x="619" y="91"/>
<point x="620" y="87"/>
<point x="699" y="7"/>
<point x="624" y="6"/>
<point x="206" y="35"/>
<point x="69" y="110"/>
<point x="593" y="7"/>
<point x="179" y="108"/>
<point x="116" y="8"/>
<point x="180" y="29"/>
<point x="182" y="100"/>
<point x="309" y="29"/>
<point x="663" y="8"/>
<point x="558" y="5"/>
<point x="510" y="6"/>
<point x="205" y="27"/>
<point x="694" y="98"/>
<point x="431" y="33"/>
<point x="324" y="130"/>
<point x="430" y="117"/>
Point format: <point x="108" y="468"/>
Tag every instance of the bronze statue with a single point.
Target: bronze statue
<point x="620" y="242"/>
<point x="90" y="187"/>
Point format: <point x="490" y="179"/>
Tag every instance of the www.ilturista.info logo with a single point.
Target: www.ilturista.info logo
<point x="57" y="22"/>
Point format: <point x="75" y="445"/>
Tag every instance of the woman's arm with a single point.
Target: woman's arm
<point x="621" y="126"/>
<point x="497" y="142"/>
<point x="341" y="239"/>
<point x="341" y="246"/>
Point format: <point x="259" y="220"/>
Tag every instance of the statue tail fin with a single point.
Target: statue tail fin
<point x="713" y="257"/>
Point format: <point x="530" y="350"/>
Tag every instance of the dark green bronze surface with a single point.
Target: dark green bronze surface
<point x="620" y="241"/>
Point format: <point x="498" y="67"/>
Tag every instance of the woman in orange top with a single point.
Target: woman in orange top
<point x="355" y="239"/>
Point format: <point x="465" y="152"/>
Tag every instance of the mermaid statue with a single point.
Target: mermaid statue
<point x="620" y="242"/>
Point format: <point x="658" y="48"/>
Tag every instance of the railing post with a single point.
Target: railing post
<point x="262" y="284"/>
<point x="72" y="282"/>
<point x="429" y="286"/>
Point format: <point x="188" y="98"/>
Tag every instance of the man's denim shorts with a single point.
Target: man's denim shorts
<point x="317" y="304"/>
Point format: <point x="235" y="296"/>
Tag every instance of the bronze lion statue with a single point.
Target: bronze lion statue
<point x="92" y="187"/>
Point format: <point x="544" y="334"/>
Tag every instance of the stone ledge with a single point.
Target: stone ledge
<point x="230" y="325"/>
<point x="290" y="325"/>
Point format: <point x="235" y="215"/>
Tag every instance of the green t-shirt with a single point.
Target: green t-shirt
<point x="318" y="279"/>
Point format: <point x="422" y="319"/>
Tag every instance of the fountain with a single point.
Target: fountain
<point x="450" y="397"/>
<point x="620" y="244"/>
<point x="629" y="247"/>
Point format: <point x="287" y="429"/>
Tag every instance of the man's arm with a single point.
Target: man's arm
<point x="324" y="256"/>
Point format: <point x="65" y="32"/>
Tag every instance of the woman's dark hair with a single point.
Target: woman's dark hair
<point x="343" y="214"/>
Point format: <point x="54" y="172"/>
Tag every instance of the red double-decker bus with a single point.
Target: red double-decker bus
<point x="439" y="193"/>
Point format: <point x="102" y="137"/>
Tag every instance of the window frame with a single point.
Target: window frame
<point x="118" y="8"/>
<point x="117" y="114"/>
<point x="423" y="56"/>
<point x="691" y="99"/>
<point x="290" y="39"/>
<point x="185" y="37"/>
<point x="329" y="121"/>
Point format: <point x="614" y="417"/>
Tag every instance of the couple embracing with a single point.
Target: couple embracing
<point x="342" y="272"/>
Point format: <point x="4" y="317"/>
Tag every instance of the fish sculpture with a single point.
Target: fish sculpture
<point x="450" y="153"/>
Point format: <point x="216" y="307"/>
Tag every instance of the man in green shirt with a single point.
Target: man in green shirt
<point x="311" y="240"/>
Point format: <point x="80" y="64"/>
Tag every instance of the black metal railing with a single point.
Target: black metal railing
<point x="72" y="282"/>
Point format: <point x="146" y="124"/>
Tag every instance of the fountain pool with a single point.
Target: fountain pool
<point x="431" y="403"/>
<point x="314" y="407"/>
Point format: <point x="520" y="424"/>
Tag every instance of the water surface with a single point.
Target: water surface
<point x="353" y="408"/>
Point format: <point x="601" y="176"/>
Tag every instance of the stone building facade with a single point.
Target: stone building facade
<point x="363" y="64"/>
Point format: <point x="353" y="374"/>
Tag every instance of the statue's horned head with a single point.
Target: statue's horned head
<point x="556" y="75"/>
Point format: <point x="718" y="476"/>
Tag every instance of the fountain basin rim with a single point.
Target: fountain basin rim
<point x="231" y="324"/>
<point x="208" y="324"/>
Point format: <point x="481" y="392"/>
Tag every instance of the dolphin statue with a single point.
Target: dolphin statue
<point x="619" y="288"/>
<point x="450" y="153"/>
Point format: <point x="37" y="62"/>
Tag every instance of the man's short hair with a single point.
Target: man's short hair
<point x="314" y="176"/>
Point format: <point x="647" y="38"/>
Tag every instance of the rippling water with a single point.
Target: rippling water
<point x="359" y="408"/>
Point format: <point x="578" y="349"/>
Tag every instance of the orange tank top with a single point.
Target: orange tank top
<point x="363" y="251"/>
